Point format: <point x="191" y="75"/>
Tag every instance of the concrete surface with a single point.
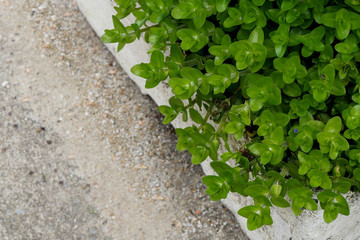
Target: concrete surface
<point x="83" y="154"/>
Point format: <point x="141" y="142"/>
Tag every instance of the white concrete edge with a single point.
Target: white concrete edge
<point x="309" y="225"/>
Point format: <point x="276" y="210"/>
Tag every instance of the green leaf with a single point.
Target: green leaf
<point x="110" y="36"/>
<point x="157" y="59"/>
<point x="244" y="112"/>
<point x="185" y="10"/>
<point x="199" y="154"/>
<point x="249" y="11"/>
<point x="243" y="52"/>
<point x="192" y="74"/>
<point x="261" y="90"/>
<point x="300" y="108"/>
<point x="218" y="35"/>
<point x="217" y="188"/>
<point x="319" y="178"/>
<point x="301" y="198"/>
<point x="169" y="113"/>
<point x="125" y="7"/>
<point x="292" y="90"/>
<point x="328" y="73"/>
<point x="327" y="54"/>
<point x="330" y="214"/>
<point x="258" y="2"/>
<point x="333" y="204"/>
<point x="304" y="140"/>
<point x="221" y="168"/>
<point x="342" y="25"/>
<point x="266" y="157"/>
<point x="280" y="39"/>
<point x="185" y="87"/>
<point x="256" y="190"/>
<point x="319" y="90"/>
<point x="254" y="220"/>
<point x="176" y="104"/>
<point x="257" y="148"/>
<point x="342" y="187"/>
<point x="282" y="119"/>
<point x="200" y="17"/>
<point x="118" y="25"/>
<point x="275" y="189"/>
<point x="180" y="87"/>
<point x="142" y="70"/>
<point x="288" y="4"/>
<point x="219" y="82"/>
<point x="277" y="136"/>
<point x="356" y="173"/>
<point x="221" y="5"/>
<point x="248" y="210"/>
<point x="262" y="201"/>
<point x="221" y="52"/>
<point x="352" y="117"/>
<point x="236" y="128"/>
<point x="226" y="156"/>
<point x="256" y="104"/>
<point x="334" y="125"/>
<point x="291" y="68"/>
<point x="312" y="41"/>
<point x="352" y="134"/>
<point x="346" y="48"/>
<point x="196" y="116"/>
<point x="354" y="4"/>
<point x="177" y="55"/>
<point x="332" y="142"/>
<point x="235" y="18"/>
<point x="230" y="175"/>
<point x="257" y="35"/>
<point x="280" y="202"/>
<point x="337" y="88"/>
<point x="259" y="57"/>
<point x="189" y="38"/>
<point x="343" y="21"/>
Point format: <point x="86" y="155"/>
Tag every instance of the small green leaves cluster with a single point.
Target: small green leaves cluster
<point x="280" y="74"/>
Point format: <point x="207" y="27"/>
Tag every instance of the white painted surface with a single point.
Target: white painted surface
<point x="307" y="226"/>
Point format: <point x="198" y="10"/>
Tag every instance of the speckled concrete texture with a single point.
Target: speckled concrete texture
<point x="83" y="154"/>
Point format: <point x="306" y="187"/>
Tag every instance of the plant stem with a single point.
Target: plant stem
<point x="191" y="103"/>
<point x="221" y="126"/>
<point x="284" y="171"/>
<point x="222" y="123"/>
<point x="241" y="74"/>
<point x="262" y="168"/>
<point x="244" y="73"/>
<point x="145" y="29"/>
<point x="208" y="113"/>
<point x="195" y="61"/>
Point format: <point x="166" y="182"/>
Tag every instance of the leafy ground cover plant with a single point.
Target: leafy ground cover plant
<point x="283" y="74"/>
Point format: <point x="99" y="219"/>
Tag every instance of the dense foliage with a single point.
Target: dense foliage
<point x="283" y="74"/>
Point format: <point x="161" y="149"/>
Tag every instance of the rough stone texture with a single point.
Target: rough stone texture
<point x="309" y="225"/>
<point x="83" y="154"/>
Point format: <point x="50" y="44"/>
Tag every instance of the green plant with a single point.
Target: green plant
<point x="281" y="73"/>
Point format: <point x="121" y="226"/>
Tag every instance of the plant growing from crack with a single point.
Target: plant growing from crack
<point x="282" y="73"/>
